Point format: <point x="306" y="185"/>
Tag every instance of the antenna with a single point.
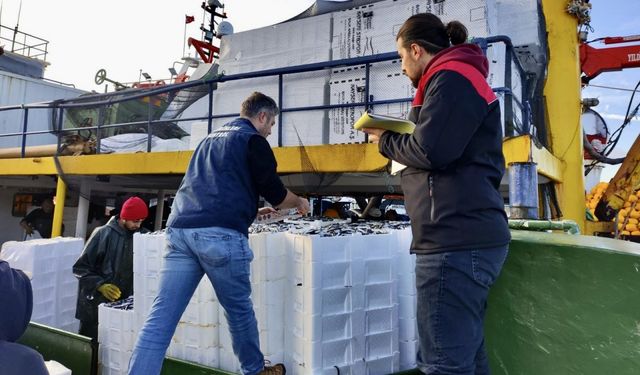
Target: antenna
<point x="19" y="12"/>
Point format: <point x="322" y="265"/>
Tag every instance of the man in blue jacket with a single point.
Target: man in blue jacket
<point x="207" y="233"/>
<point x="16" y="304"/>
<point x="451" y="185"/>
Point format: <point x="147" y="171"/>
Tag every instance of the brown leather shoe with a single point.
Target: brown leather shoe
<point x="277" y="369"/>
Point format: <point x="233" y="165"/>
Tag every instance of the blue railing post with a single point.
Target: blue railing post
<point x="101" y="111"/>
<point x="58" y="127"/>
<point x="149" y="111"/>
<point x="210" y="118"/>
<point x="24" y="132"/>
<point x="280" y="96"/>
<point x="367" y="81"/>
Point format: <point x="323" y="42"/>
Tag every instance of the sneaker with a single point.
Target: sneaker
<point x="277" y="369"/>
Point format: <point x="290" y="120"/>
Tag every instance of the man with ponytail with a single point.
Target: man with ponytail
<point x="451" y="185"/>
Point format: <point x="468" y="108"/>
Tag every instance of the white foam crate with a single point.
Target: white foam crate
<point x="114" y="360"/>
<point x="116" y="327"/>
<point x="195" y="335"/>
<point x="372" y="28"/>
<point x="317" y="249"/>
<point x="299" y="90"/>
<point x="383" y="365"/>
<point x="268" y="244"/>
<point x="407" y="305"/>
<point x="327" y="275"/>
<point x="201" y="313"/>
<point x="306" y="357"/>
<point x="148" y="253"/>
<point x="270" y="317"/>
<point x="381" y="320"/>
<point x="55" y="368"/>
<point x="406" y="283"/>
<point x="204" y="292"/>
<point x="408" y="329"/>
<point x="379" y="271"/>
<point x="380" y="295"/>
<point x="268" y="293"/>
<point x="408" y="354"/>
<point x="208" y="356"/>
<point x="229" y="361"/>
<point x="378" y="345"/>
<point x="268" y="269"/>
<point x="327" y="301"/>
<point x="306" y="41"/>
<point x="323" y="328"/>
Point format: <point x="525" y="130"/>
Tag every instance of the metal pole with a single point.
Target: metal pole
<point x="280" y="130"/>
<point x="83" y="210"/>
<point x="149" y="125"/>
<point x="159" y="211"/>
<point x="58" y="211"/>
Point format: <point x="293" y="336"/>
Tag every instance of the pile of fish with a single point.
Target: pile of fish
<point x="327" y="227"/>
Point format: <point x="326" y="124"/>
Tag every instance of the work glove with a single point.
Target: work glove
<point x="110" y="291"/>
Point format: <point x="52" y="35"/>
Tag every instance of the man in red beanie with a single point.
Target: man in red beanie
<point x="105" y="268"/>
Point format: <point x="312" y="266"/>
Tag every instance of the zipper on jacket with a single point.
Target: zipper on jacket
<point x="431" y="196"/>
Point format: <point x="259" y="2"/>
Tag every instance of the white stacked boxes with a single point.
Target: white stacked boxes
<point x="407" y="298"/>
<point x="67" y="252"/>
<point x="196" y="337"/>
<point x="148" y="258"/>
<point x="496" y="53"/>
<point x="299" y="90"/>
<point x="342" y="308"/>
<point x="50" y="263"/>
<point x="348" y="85"/>
<point x="228" y="360"/>
<point x="268" y="282"/>
<point x="519" y="21"/>
<point x="116" y="334"/>
<point x="305" y="41"/>
<point x="371" y="29"/>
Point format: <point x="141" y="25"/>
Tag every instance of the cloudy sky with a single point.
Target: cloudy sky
<point x="125" y="37"/>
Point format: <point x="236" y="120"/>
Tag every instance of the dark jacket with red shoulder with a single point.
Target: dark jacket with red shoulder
<point x="454" y="157"/>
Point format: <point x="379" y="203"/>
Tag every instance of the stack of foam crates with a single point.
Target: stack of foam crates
<point x="116" y="335"/>
<point x="196" y="336"/>
<point x="321" y="303"/>
<point x="407" y="300"/>
<point x="50" y="262"/>
<point x="342" y="308"/>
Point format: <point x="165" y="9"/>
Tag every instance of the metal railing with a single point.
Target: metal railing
<point x="23" y="44"/>
<point x="103" y="101"/>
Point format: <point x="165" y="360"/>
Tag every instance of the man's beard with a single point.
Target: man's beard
<point x="415" y="82"/>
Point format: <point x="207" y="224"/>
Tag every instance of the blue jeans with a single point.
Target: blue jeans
<point x="452" y="295"/>
<point x="224" y="255"/>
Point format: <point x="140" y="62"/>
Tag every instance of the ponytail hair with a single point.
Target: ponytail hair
<point x="428" y="31"/>
<point x="457" y="32"/>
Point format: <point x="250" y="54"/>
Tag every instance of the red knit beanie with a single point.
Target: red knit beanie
<point x="134" y="208"/>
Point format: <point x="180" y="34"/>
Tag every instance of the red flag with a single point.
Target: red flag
<point x="189" y="19"/>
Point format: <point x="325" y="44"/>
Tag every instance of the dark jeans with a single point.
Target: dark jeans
<point x="452" y="292"/>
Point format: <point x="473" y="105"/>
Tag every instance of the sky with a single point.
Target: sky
<point x="615" y="18"/>
<point x="127" y="37"/>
